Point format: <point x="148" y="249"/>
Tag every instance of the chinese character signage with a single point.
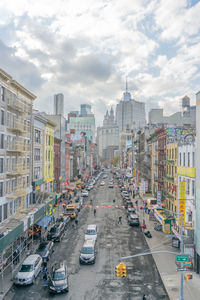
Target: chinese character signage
<point x="182" y="202"/>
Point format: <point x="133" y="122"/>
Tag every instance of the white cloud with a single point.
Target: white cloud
<point x="84" y="49"/>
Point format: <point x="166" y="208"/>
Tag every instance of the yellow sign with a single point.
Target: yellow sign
<point x="186" y="171"/>
<point x="37" y="187"/>
<point x="133" y="172"/>
<point x="49" y="180"/>
<point x="182" y="202"/>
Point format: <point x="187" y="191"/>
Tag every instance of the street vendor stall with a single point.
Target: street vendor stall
<point x="165" y="219"/>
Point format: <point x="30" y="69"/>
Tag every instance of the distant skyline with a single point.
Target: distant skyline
<point x="85" y="50"/>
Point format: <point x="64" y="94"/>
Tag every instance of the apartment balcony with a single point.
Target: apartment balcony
<point x="16" y="105"/>
<point x="18" y="147"/>
<point x="19" y="126"/>
<point x="20" y="190"/>
<point x="19" y="169"/>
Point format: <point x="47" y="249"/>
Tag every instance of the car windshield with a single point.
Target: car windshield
<point x="87" y="250"/>
<point x="26" y="268"/>
<point x="59" y="275"/>
<point x="53" y="229"/>
<point x="42" y="246"/>
<point x="90" y="231"/>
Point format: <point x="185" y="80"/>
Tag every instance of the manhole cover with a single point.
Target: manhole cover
<point x="108" y="245"/>
<point x="114" y="283"/>
<point x="109" y="236"/>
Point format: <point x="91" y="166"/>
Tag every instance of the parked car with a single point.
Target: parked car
<point x="56" y="232"/>
<point x="111" y="185"/>
<point x="133" y="220"/>
<point x="29" y="270"/>
<point x="45" y="249"/>
<point x="58" y="279"/>
<point x="102" y="183"/>
<point x="130" y="210"/>
<point x="84" y="193"/>
<point x="88" y="252"/>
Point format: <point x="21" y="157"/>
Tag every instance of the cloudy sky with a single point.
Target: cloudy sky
<point x="85" y="49"/>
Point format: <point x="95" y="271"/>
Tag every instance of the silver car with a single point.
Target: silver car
<point x="29" y="270"/>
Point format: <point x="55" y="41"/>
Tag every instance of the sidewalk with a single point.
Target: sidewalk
<point x="166" y="263"/>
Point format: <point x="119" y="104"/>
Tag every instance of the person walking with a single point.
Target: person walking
<point x="120" y="220"/>
<point x="144" y="297"/>
<point x="95" y="212"/>
<point x="76" y="222"/>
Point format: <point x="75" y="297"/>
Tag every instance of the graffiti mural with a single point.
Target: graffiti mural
<point x="182" y="136"/>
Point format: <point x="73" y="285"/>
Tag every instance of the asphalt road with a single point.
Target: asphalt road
<point x="99" y="281"/>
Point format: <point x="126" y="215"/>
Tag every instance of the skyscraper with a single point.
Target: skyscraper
<point x="85" y="110"/>
<point x="58" y="104"/>
<point x="130" y="113"/>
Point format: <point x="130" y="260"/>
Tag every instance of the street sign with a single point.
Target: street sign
<point x="187" y="264"/>
<point x="182" y="258"/>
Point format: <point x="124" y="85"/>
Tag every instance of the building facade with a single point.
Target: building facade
<point x="57" y="163"/>
<point x="108" y="137"/>
<point x="49" y="156"/>
<point x="15" y="146"/>
<point x="39" y="123"/>
<point x="130" y="113"/>
<point x="58" y="104"/>
<point x="83" y="125"/>
<point x="85" y="110"/>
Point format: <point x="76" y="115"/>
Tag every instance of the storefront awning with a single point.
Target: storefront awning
<point x="44" y="221"/>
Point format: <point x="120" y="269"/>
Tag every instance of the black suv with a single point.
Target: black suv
<point x="58" y="279"/>
<point x="56" y="232"/>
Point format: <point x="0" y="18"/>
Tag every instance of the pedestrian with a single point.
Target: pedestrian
<point x="95" y="212"/>
<point x="113" y="200"/>
<point x="120" y="220"/>
<point x="76" y="222"/>
<point x="144" y="297"/>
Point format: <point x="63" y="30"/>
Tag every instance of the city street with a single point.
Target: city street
<point x="115" y="240"/>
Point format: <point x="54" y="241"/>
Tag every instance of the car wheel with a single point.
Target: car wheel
<point x="33" y="282"/>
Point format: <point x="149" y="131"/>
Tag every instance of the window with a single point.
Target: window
<point x="180" y="159"/>
<point x="184" y="159"/>
<point x="36" y="173"/>
<point x="1" y="219"/>
<point x="2" y="117"/>
<point x="188" y="187"/>
<point x="193" y="187"/>
<point x="193" y="159"/>
<point x="37" y="136"/>
<point x="8" y="119"/>
<point x="7" y="187"/>
<point x="37" y="154"/>
<point x="27" y="180"/>
<point x="2" y="141"/>
<point x="188" y="159"/>
<point x="2" y="94"/>
<point x="1" y="189"/>
<point x="5" y="211"/>
<point x="7" y="164"/>
<point x="13" y="185"/>
<point x="172" y="153"/>
<point x="13" y="163"/>
<point x="10" y="208"/>
<point x="1" y="165"/>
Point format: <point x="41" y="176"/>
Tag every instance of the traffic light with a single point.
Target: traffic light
<point x="118" y="270"/>
<point x="188" y="276"/>
<point x="124" y="271"/>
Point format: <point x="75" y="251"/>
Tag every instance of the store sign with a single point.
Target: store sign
<point x="182" y="202"/>
<point x="49" y="180"/>
<point x="186" y="171"/>
<point x="158" y="217"/>
<point x="159" y="198"/>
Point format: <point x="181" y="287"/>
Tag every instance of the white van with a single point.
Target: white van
<point x="91" y="232"/>
<point x="29" y="270"/>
